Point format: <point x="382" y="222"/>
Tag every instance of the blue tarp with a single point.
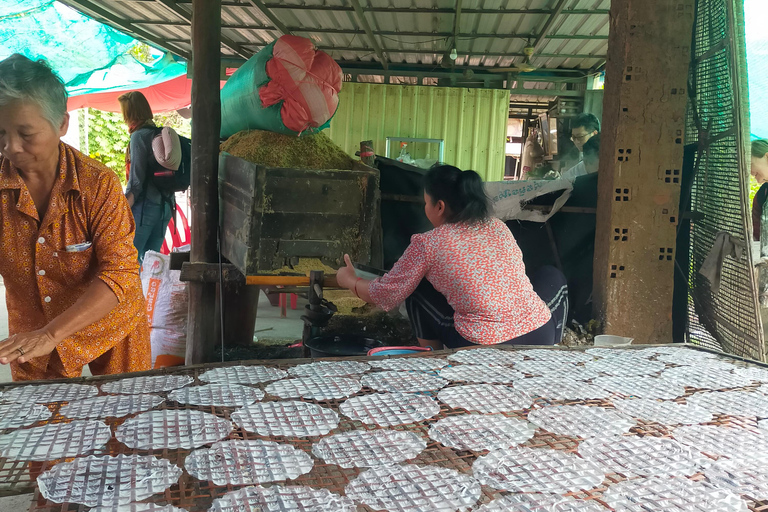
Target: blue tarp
<point x="89" y="56"/>
<point x="756" y="16"/>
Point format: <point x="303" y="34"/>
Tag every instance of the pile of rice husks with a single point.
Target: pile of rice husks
<point x="347" y="302"/>
<point x="303" y="267"/>
<point x="276" y="150"/>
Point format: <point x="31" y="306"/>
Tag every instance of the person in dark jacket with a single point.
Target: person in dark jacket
<point x="151" y="210"/>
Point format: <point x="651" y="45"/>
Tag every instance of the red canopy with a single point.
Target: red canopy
<point x="174" y="94"/>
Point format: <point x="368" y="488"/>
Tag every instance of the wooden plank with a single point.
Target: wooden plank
<point x="592" y="211"/>
<point x="401" y="198"/>
<point x="209" y="273"/>
<point x="328" y="282"/>
<point x="642" y="141"/>
<point x="564" y="209"/>
<point x="270" y="215"/>
<point x="178" y="259"/>
<point x="206" y="111"/>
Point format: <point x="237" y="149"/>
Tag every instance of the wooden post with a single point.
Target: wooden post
<point x="206" y="124"/>
<point x="641" y="159"/>
<point x="367" y="156"/>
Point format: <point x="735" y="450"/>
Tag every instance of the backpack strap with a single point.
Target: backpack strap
<point x="152" y="167"/>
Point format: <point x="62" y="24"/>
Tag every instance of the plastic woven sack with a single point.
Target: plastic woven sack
<point x="288" y="87"/>
<point x="167" y="302"/>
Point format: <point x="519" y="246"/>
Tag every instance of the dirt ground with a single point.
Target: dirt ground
<point x="392" y="330"/>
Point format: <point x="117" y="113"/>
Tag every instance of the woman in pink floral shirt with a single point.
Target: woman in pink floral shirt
<point x="464" y="282"/>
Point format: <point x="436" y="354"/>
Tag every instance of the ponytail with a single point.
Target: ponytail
<point x="461" y="191"/>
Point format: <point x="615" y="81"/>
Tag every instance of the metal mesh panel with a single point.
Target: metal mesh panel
<point x="727" y="320"/>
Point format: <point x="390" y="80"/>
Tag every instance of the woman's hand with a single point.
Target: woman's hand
<point x="346" y="276"/>
<point x="26" y="346"/>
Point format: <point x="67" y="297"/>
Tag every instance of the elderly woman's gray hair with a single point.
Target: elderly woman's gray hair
<point x="28" y="81"/>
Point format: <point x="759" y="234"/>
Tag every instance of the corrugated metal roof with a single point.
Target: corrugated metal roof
<point x="492" y="33"/>
<point x="471" y="122"/>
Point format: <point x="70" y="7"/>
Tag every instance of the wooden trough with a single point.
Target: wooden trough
<point x="272" y="217"/>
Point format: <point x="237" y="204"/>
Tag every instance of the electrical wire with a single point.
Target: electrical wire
<point x="221" y="291"/>
<point x="414" y="43"/>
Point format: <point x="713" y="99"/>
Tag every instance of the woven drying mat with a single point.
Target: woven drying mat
<point x="196" y="496"/>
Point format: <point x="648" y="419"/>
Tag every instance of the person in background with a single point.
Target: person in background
<point x="151" y="210"/>
<point x="68" y="262"/>
<point x="759" y="170"/>
<point x="463" y="282"/>
<point x="583" y="128"/>
<point x="590" y="160"/>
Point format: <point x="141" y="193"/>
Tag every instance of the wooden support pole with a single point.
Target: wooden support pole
<point x="641" y="159"/>
<point x="206" y="124"/>
<point x="367" y="155"/>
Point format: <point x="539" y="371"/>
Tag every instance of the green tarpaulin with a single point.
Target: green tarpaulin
<point x="89" y="56"/>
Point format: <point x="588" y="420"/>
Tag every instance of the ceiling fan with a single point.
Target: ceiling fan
<point x="523" y="67"/>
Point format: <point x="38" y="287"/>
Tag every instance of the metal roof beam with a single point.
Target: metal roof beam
<point x="456" y="21"/>
<point x="439" y="52"/>
<point x="270" y="15"/>
<point x="360" y="15"/>
<point x="95" y="11"/>
<point x="549" y="23"/>
<point x="542" y="75"/>
<point x="340" y="31"/>
<point x="182" y="13"/>
<point x="407" y="10"/>
<point x="444" y="34"/>
<point x="455" y="36"/>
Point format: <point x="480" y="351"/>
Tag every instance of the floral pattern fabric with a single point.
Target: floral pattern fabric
<point x="42" y="279"/>
<point x="479" y="269"/>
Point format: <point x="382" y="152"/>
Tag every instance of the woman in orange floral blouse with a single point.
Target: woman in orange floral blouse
<point x="67" y="258"/>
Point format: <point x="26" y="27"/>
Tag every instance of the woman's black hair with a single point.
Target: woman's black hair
<point x="461" y="191"/>
<point x="592" y="146"/>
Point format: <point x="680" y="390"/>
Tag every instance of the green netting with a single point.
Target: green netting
<point x="89" y="56"/>
<point x="718" y="122"/>
<point x="241" y="107"/>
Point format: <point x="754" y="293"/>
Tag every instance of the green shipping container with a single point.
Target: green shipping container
<point x="472" y="122"/>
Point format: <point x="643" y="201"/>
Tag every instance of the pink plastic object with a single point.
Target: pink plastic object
<point x="166" y="147"/>
<point x="307" y="81"/>
<point x="375" y="351"/>
<point x="176" y="233"/>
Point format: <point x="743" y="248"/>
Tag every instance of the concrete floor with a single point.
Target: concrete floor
<point x="20" y="503"/>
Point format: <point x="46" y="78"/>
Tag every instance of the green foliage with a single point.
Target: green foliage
<point x="142" y="53"/>
<point x="107" y="139"/>
<point x="108" y="136"/>
<point x="172" y="119"/>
